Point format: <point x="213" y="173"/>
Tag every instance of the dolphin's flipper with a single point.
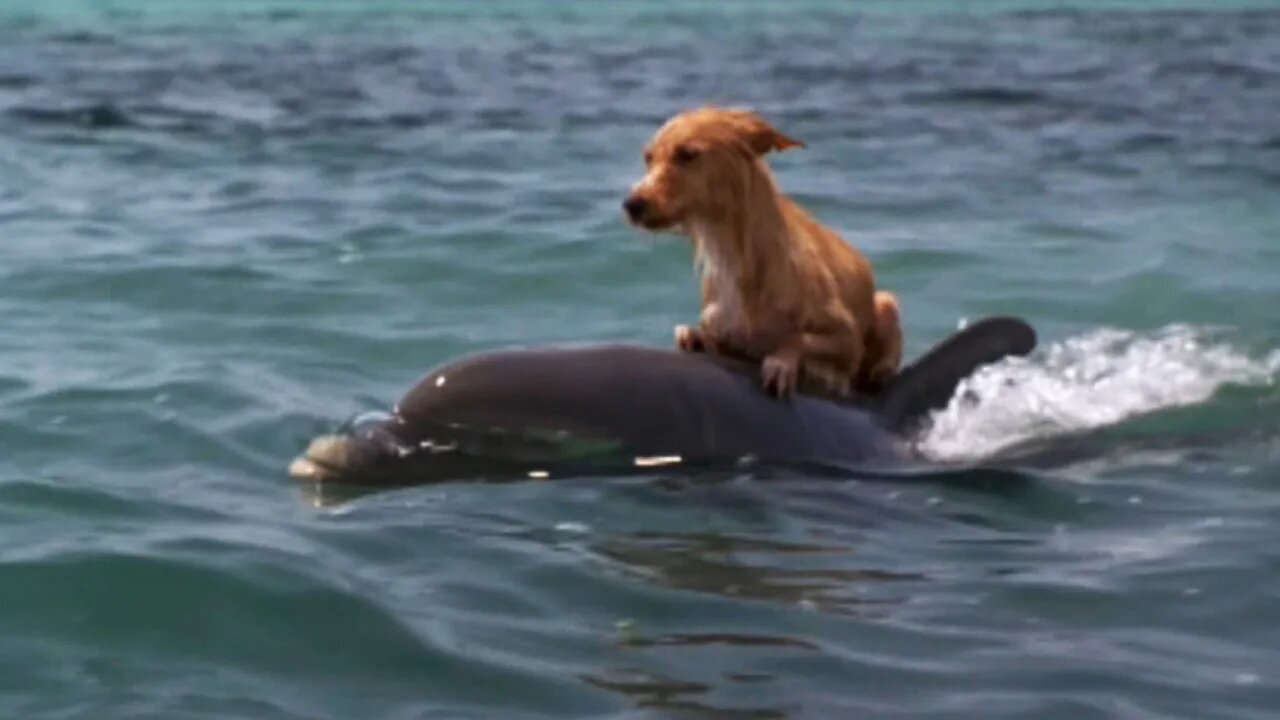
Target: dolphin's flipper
<point x="929" y="383"/>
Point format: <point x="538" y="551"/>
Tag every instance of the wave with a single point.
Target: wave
<point x="1086" y="382"/>
<point x="97" y="116"/>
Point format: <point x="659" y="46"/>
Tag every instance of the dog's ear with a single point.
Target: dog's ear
<point x="760" y="136"/>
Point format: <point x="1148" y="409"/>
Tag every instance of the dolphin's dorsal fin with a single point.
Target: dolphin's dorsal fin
<point x="928" y="383"/>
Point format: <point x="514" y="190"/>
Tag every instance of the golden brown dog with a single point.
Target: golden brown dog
<point x="777" y="287"/>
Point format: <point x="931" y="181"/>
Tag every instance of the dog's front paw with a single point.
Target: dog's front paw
<point x="690" y="340"/>
<point x="779" y="376"/>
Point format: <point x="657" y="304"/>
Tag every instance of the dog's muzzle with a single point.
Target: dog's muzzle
<point x="636" y="208"/>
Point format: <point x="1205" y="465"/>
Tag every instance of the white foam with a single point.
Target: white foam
<point x="1086" y="382"/>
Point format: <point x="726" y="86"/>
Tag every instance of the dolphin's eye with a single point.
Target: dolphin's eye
<point x="684" y="155"/>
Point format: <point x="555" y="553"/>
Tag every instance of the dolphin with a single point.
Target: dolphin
<point x="613" y="408"/>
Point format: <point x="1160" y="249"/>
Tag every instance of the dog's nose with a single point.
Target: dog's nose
<point x="635" y="207"/>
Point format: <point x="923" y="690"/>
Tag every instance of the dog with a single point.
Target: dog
<point x="777" y="287"/>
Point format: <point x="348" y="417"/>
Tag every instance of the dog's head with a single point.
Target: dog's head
<point x="697" y="167"/>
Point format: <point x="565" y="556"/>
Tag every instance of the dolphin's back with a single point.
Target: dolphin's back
<point x="505" y="413"/>
<point x="652" y="401"/>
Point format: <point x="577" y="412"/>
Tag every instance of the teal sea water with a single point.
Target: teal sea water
<point x="229" y="226"/>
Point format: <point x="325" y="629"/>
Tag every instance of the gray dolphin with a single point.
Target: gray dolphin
<point x="545" y="412"/>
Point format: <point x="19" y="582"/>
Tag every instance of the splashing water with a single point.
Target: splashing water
<point x="1086" y="382"/>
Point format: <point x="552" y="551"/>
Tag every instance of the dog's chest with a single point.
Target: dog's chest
<point x="725" y="313"/>
<point x="725" y="309"/>
<point x="728" y="319"/>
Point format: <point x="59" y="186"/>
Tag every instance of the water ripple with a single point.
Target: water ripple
<point x="228" y="227"/>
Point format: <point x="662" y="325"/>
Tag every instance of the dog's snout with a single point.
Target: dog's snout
<point x="635" y="206"/>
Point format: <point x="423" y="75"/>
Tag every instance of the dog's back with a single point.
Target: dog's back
<point x="848" y="279"/>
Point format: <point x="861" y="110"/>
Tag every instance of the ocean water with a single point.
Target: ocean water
<point x="227" y="226"/>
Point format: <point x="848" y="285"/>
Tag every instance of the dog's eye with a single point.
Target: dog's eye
<point x="684" y="155"/>
<point x="648" y="159"/>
